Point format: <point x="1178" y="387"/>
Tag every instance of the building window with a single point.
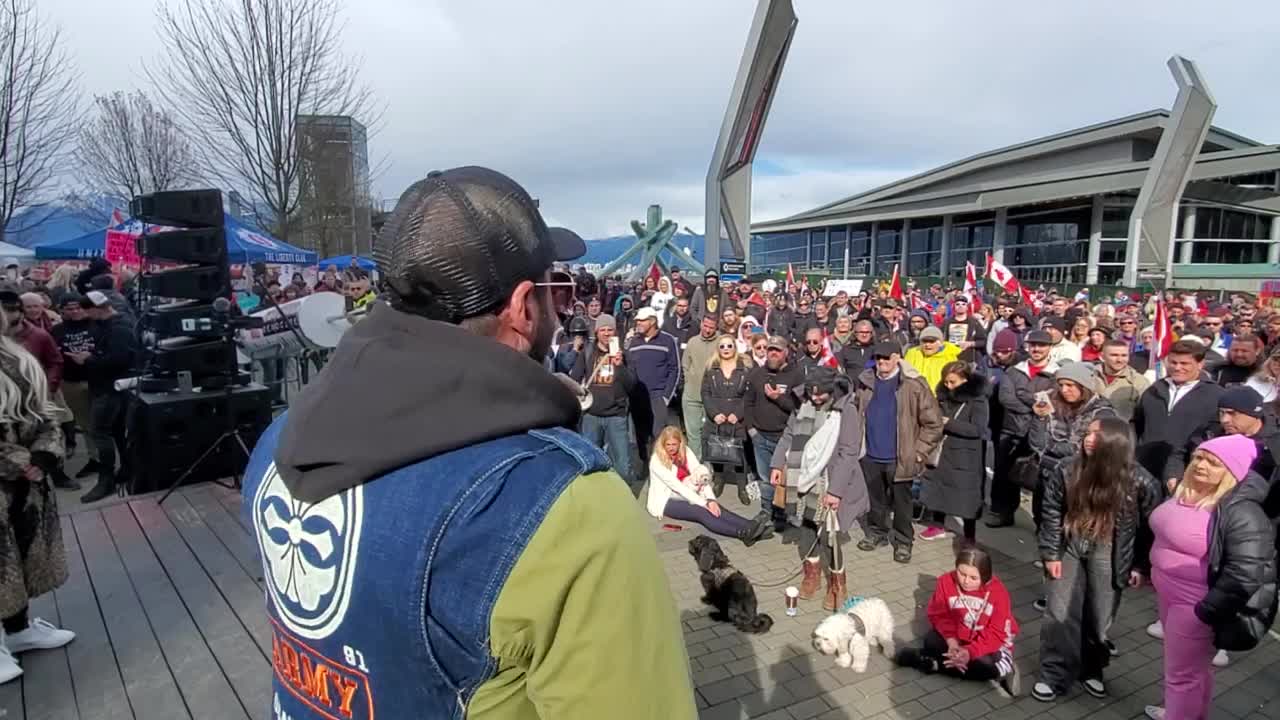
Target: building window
<point x="1228" y="253"/>
<point x="1049" y="240"/>
<point x="1112" y="251"/>
<point x="1110" y="275"/>
<point x="972" y="237"/>
<point x="817" y="249"/>
<point x="924" y="250"/>
<point x="772" y="251"/>
<point x="1220" y="224"/>
<point x="860" y="251"/>
<point x="1115" y="221"/>
<point x="835" y="253"/>
<point x="888" y="247"/>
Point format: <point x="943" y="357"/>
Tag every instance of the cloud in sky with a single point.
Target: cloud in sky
<point x="601" y="108"/>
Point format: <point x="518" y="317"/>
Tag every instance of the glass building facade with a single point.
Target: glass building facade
<point x="1046" y="243"/>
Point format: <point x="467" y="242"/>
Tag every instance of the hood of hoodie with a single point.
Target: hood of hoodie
<point x="400" y="389"/>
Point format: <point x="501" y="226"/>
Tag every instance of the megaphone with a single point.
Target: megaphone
<point x="310" y="323"/>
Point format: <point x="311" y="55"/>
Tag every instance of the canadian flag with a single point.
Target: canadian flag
<point x="1163" y="339"/>
<point x="971" y="287"/>
<point x="117" y="219"/>
<point x="1000" y="275"/>
<point x="918" y="303"/>
<point x="1029" y="298"/>
<point x="895" y="286"/>
<point x="791" y="279"/>
<point x="827" y="358"/>
<point x="655" y="272"/>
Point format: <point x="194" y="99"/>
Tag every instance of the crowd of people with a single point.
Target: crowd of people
<point x="65" y="342"/>
<point x="950" y="410"/>
<point x="540" y="389"/>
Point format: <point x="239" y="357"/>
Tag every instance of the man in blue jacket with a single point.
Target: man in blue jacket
<point x="655" y="357"/>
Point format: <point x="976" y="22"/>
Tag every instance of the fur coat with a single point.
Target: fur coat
<point x="32" y="558"/>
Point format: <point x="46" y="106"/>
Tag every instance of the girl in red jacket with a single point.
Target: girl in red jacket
<point x="971" y="626"/>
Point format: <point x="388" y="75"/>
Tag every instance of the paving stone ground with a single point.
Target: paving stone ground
<point x="779" y="676"/>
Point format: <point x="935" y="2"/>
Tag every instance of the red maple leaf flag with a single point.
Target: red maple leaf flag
<point x="656" y="273"/>
<point x="117" y="219"/>
<point x="918" y="303"/>
<point x="1000" y="275"/>
<point x="827" y="358"/>
<point x="895" y="286"/>
<point x="971" y="287"/>
<point x="1163" y="339"/>
<point x="1029" y="298"/>
<point x="791" y="279"/>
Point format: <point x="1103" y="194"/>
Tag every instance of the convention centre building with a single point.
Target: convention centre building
<point x="1054" y="210"/>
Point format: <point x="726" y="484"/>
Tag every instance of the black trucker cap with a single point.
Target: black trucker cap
<point x="460" y="240"/>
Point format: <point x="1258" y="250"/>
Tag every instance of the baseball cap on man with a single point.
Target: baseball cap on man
<point x="1038" y="337"/>
<point x="1242" y="399"/>
<point x="931" y="333"/>
<point x="777" y="342"/>
<point x="460" y="240"/>
<point x="647" y="313"/>
<point x="886" y="349"/>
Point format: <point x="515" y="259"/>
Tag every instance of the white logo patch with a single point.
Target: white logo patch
<point x="309" y="553"/>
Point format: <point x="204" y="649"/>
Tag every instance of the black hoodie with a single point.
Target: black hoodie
<point x="401" y="389"/>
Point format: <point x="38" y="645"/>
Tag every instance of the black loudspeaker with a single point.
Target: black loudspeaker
<point x="188" y="318"/>
<point x="205" y="246"/>
<point x="201" y="208"/>
<point x="205" y="283"/>
<point x="201" y="359"/>
<point x="169" y="431"/>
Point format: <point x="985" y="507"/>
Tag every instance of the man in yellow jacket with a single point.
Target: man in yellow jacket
<point x="931" y="355"/>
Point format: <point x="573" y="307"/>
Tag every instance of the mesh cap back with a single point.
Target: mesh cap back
<point x="460" y="240"/>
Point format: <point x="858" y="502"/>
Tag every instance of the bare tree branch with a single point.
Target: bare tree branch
<point x="38" y="104"/>
<point x="133" y="148"/>
<point x="239" y="73"/>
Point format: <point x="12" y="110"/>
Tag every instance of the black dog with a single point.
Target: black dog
<point x="728" y="590"/>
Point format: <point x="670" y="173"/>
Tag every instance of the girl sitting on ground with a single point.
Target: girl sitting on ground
<point x="971" y="626"/>
<point x="680" y="489"/>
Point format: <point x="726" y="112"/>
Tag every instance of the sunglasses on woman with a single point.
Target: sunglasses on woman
<point x="728" y="346"/>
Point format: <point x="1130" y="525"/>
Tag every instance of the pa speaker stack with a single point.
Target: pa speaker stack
<point x="197" y="414"/>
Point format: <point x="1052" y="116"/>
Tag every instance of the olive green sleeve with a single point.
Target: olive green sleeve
<point x="586" y="625"/>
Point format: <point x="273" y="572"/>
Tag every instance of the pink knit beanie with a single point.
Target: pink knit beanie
<point x="1237" y="452"/>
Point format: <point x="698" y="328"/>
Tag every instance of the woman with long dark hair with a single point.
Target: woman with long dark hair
<point x="32" y="559"/>
<point x="1094" y="541"/>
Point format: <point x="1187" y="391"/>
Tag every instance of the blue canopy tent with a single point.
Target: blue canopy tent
<point x="344" y="261"/>
<point x="244" y="245"/>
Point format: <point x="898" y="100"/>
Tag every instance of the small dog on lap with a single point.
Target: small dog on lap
<point x="727" y="590"/>
<point x="850" y="634"/>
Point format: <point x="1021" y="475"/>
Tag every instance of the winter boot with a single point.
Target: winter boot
<point x="753" y="531"/>
<point x="743" y="496"/>
<point x="106" y="487"/>
<point x="837" y="591"/>
<point x="717" y="485"/>
<point x="812" y="579"/>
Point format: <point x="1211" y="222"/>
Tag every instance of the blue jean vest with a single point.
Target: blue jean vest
<point x="380" y="597"/>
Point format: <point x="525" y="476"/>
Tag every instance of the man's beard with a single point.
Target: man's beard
<point x="773" y="364"/>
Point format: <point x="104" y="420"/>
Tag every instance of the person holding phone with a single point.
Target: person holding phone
<point x="770" y="400"/>
<point x="601" y="370"/>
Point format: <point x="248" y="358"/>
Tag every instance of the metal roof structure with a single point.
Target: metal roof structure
<point x="1109" y="157"/>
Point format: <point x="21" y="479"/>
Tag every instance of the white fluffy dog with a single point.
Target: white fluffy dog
<point x="850" y="635"/>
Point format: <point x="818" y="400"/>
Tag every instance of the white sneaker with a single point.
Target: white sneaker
<point x="39" y="635"/>
<point x="1221" y="660"/>
<point x="1156" y="630"/>
<point x="1155" y="712"/>
<point x="9" y="667"/>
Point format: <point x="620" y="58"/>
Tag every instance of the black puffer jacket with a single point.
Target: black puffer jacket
<point x="1131" y="539"/>
<point x="1241" y="603"/>
<point x="727" y="396"/>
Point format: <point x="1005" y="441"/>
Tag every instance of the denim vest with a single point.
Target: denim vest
<point x="380" y="597"/>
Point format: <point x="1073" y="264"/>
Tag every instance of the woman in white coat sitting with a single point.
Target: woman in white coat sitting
<point x="680" y="489"/>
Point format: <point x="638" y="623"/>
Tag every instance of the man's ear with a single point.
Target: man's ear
<point x="519" y="319"/>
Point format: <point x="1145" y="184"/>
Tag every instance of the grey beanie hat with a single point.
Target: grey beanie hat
<point x="1082" y="374"/>
<point x="606" y="321"/>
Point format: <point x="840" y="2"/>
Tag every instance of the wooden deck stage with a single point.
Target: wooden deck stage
<point x="167" y="606"/>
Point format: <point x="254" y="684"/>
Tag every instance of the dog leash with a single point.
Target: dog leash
<point x="826" y="520"/>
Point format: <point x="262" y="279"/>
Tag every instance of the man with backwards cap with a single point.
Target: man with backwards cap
<point x="433" y="532"/>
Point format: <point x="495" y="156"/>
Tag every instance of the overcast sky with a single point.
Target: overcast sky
<point x="601" y="108"/>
